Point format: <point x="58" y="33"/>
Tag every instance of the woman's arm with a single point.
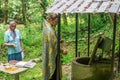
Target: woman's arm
<point x="10" y="44"/>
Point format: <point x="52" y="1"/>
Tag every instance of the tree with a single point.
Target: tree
<point x="6" y="12"/>
<point x="24" y="10"/>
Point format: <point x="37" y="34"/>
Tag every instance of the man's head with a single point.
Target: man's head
<point x="12" y="25"/>
<point x="53" y="19"/>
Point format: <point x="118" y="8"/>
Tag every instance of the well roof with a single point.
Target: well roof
<point x="84" y="6"/>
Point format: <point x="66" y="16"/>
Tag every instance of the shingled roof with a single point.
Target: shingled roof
<point x="84" y="6"/>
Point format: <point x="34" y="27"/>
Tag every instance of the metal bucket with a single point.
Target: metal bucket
<point x="99" y="70"/>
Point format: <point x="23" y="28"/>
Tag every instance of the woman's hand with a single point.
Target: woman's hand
<point x="23" y="50"/>
<point x="14" y="45"/>
<point x="64" y="51"/>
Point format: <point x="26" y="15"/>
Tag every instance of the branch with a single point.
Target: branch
<point x="42" y="5"/>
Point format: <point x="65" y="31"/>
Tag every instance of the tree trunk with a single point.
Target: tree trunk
<point x="44" y="2"/>
<point x="0" y="3"/>
<point x="24" y="10"/>
<point x="6" y="12"/>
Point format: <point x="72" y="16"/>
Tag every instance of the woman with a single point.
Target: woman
<point x="49" y="48"/>
<point x="12" y="39"/>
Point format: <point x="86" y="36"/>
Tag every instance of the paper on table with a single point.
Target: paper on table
<point x="20" y="64"/>
<point x="26" y="64"/>
<point x="30" y="64"/>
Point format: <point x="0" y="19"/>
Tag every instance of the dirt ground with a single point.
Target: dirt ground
<point x="66" y="72"/>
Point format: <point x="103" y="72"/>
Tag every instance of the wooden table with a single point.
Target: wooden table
<point x="14" y="72"/>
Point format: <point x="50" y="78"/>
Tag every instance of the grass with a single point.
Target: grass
<point x="33" y="73"/>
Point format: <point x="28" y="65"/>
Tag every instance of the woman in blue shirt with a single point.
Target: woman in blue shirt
<point x="12" y="39"/>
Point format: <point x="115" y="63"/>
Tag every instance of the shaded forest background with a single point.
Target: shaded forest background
<point x="29" y="16"/>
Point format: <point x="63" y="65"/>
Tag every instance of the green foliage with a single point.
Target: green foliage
<point x="14" y="9"/>
<point x="1" y="33"/>
<point x="3" y="50"/>
<point x="67" y="59"/>
<point x="34" y="11"/>
<point x="32" y="36"/>
<point x="1" y="14"/>
<point x="32" y="41"/>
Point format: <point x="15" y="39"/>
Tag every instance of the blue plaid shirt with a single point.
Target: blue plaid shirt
<point x="8" y="38"/>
